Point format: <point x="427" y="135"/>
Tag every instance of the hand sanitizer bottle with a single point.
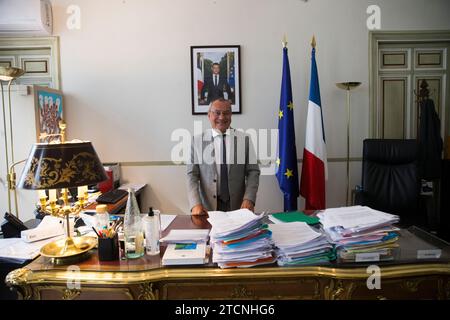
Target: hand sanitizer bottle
<point x="152" y="233"/>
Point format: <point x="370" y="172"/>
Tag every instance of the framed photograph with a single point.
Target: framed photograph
<point x="48" y="112"/>
<point x="215" y="73"/>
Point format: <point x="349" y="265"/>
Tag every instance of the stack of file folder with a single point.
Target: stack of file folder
<point x="240" y="239"/>
<point x="360" y="233"/>
<point x="298" y="244"/>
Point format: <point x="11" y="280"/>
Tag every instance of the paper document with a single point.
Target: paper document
<point x="48" y="228"/>
<point x="354" y="217"/>
<point x="186" y="236"/>
<point x="166" y="220"/>
<point x="293" y="233"/>
<point x="133" y="186"/>
<point x="225" y="223"/>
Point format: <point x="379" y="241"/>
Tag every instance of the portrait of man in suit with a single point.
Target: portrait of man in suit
<point x="215" y="73"/>
<point x="222" y="172"/>
<point x="215" y="86"/>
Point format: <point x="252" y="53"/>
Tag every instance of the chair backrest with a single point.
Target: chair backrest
<point x="390" y="176"/>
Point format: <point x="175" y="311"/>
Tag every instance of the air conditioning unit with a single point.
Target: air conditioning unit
<point x="26" y="18"/>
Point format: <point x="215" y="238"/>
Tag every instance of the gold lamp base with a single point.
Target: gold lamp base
<point x="68" y="247"/>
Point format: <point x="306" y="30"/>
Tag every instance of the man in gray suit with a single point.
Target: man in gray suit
<point x="220" y="180"/>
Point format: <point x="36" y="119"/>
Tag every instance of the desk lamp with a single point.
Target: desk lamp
<point x="63" y="165"/>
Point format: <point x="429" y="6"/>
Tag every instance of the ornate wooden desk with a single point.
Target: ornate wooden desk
<point x="145" y="278"/>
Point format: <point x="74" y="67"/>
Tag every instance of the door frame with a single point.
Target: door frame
<point x="377" y="37"/>
<point x="51" y="43"/>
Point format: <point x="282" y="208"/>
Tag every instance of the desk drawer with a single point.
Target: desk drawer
<point x="59" y="292"/>
<point x="429" y="287"/>
<point x="307" y="288"/>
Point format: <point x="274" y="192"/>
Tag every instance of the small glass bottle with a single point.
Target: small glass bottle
<point x="102" y="217"/>
<point x="133" y="230"/>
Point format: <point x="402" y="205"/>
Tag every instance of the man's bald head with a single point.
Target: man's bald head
<point x="219" y="114"/>
<point x="220" y="102"/>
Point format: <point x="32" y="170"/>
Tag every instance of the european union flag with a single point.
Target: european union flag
<point x="231" y="77"/>
<point x="287" y="172"/>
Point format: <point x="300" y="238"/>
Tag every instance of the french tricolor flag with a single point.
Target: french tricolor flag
<point x="199" y="73"/>
<point x="314" y="169"/>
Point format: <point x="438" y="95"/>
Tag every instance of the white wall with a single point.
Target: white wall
<point x="126" y="75"/>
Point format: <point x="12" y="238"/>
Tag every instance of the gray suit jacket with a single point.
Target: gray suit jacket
<point x="243" y="171"/>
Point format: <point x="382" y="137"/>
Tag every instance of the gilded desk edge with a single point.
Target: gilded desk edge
<point x="25" y="276"/>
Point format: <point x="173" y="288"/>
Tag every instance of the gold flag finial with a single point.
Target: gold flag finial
<point x="313" y="42"/>
<point x="284" y="41"/>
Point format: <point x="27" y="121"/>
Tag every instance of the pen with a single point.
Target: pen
<point x="115" y="223"/>
<point x="96" y="232"/>
<point x="118" y="225"/>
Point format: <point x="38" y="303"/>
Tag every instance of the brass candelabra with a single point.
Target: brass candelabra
<point x="60" y="166"/>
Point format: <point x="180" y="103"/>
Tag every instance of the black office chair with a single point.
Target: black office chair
<point x="390" y="180"/>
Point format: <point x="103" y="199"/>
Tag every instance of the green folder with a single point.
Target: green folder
<point x="295" y="216"/>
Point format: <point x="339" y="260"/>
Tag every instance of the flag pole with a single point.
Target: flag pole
<point x="284" y="42"/>
<point x="313" y="42"/>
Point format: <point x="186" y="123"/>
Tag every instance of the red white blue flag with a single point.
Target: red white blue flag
<point x="314" y="169"/>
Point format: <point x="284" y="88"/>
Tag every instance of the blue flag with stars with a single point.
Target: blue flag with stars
<point x="287" y="172"/>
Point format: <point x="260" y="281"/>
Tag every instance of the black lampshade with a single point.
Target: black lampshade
<point x="61" y="165"/>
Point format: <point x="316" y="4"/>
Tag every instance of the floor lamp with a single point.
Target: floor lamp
<point x="348" y="86"/>
<point x="8" y="75"/>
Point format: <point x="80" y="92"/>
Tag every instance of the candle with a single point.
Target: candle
<point x="52" y="195"/>
<point x="82" y="190"/>
<point x="42" y="194"/>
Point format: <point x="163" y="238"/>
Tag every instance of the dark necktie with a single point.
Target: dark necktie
<point x="215" y="80"/>
<point x="224" y="192"/>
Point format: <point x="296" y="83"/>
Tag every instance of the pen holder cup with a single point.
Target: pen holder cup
<point x="108" y="249"/>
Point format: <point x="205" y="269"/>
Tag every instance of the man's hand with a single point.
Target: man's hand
<point x="248" y="204"/>
<point x="199" y="210"/>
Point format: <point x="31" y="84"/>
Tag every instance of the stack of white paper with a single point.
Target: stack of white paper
<point x="186" y="236"/>
<point x="299" y="244"/>
<point x="361" y="230"/>
<point x="240" y="239"/>
<point x="16" y="250"/>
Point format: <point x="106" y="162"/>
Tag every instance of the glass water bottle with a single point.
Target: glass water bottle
<point x="133" y="230"/>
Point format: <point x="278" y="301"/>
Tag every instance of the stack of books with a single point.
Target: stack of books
<point x="361" y="234"/>
<point x="240" y="239"/>
<point x="298" y="244"/>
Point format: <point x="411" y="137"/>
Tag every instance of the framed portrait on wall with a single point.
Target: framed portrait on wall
<point x="215" y="73"/>
<point x="49" y="106"/>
